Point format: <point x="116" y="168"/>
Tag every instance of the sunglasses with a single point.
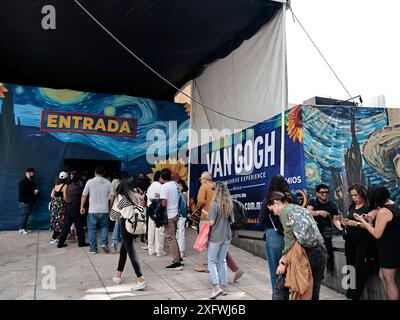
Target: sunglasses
<point x="323" y="192"/>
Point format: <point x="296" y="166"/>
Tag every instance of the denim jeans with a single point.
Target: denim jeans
<point x="217" y="262"/>
<point x="93" y="220"/>
<point x="116" y="235"/>
<point x="25" y="209"/>
<point x="274" y="245"/>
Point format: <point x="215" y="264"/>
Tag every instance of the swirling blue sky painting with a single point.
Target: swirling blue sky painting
<point x="29" y="102"/>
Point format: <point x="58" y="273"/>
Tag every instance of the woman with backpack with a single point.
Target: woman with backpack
<point x="301" y="229"/>
<point x="129" y="200"/>
<point x="220" y="218"/>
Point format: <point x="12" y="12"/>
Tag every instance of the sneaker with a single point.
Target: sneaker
<point x="61" y="245"/>
<point x="161" y="254"/>
<point x="224" y="293"/>
<point x="201" y="269"/>
<point x="54" y="241"/>
<point x="117" y="280"/>
<point x="139" y="286"/>
<point x="181" y="261"/>
<point x="216" y="292"/>
<point x="93" y="252"/>
<point x="144" y="248"/>
<point x="175" y="266"/>
<point x="238" y="275"/>
<point x="23" y="231"/>
<point x="114" y="248"/>
<point x="105" y="248"/>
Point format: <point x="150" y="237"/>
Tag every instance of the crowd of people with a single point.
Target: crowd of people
<point x="298" y="240"/>
<point x="370" y="228"/>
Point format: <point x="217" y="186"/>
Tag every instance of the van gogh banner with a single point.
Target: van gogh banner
<point x="247" y="160"/>
<point x="51" y="129"/>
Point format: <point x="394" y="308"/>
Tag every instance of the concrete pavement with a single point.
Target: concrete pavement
<point x="28" y="261"/>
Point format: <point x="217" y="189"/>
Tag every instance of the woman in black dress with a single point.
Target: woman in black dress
<point x="387" y="231"/>
<point x="358" y="241"/>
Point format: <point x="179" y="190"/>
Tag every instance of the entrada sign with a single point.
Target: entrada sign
<point x="83" y="123"/>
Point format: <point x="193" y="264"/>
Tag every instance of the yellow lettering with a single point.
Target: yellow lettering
<point x="88" y="123"/>
<point x="76" y="121"/>
<point x="65" y="122"/>
<point x="125" y="128"/>
<point x="52" y="121"/>
<point x="100" y="125"/>
<point x="113" y="125"/>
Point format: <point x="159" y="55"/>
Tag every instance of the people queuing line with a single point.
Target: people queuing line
<point x="298" y="241"/>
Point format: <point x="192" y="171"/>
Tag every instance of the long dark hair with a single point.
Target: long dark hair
<point x="279" y="183"/>
<point x="126" y="186"/>
<point x="377" y="196"/>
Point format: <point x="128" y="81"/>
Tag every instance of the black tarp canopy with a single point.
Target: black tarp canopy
<point x="178" y="38"/>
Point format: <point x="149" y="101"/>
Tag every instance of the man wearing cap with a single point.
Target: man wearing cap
<point x="27" y="193"/>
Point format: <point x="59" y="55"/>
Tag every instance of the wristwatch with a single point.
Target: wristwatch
<point x="359" y="224"/>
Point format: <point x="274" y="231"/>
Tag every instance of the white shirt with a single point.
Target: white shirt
<point x="154" y="188"/>
<point x="169" y="191"/>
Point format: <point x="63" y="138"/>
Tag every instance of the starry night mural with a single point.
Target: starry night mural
<point x="23" y="144"/>
<point x="344" y="145"/>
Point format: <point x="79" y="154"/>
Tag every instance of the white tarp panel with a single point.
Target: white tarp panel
<point x="250" y="84"/>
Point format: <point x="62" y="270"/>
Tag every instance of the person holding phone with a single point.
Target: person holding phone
<point x="358" y="242"/>
<point x="387" y="232"/>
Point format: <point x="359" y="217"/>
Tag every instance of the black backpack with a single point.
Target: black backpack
<point x="240" y="214"/>
<point x="158" y="213"/>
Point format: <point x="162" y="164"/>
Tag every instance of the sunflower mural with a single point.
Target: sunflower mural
<point x="187" y="108"/>
<point x="3" y="90"/>
<point x="178" y="169"/>
<point x="294" y="124"/>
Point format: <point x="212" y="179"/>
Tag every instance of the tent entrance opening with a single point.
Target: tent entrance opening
<point x="89" y="165"/>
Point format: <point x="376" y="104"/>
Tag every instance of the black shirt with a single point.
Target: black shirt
<point x="323" y="223"/>
<point x="355" y="231"/>
<point x="74" y="193"/>
<point x="26" y="191"/>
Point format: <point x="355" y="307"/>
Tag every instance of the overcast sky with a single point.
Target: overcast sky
<point x="359" y="38"/>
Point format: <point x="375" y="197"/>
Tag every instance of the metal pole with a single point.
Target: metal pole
<point x="284" y="89"/>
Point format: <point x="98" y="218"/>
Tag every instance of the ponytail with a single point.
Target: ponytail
<point x="279" y="196"/>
